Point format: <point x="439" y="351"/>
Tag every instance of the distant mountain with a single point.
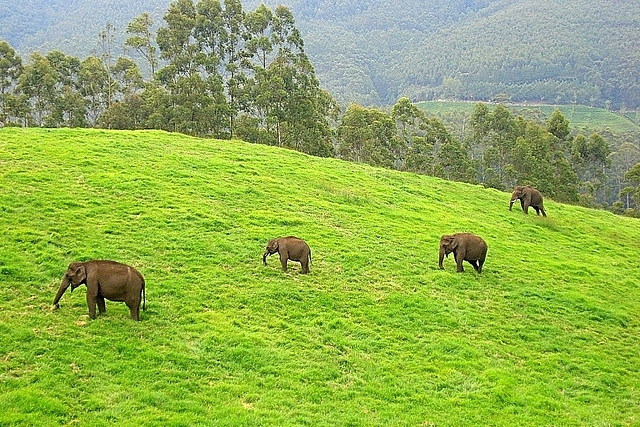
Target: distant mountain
<point x="373" y="52"/>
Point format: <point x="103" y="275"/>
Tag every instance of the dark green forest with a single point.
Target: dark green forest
<point x="218" y="70"/>
<point x="373" y="53"/>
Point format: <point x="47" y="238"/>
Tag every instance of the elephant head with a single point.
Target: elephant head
<point x="518" y="193"/>
<point x="272" y="248"/>
<point x="75" y="275"/>
<point x="448" y="244"/>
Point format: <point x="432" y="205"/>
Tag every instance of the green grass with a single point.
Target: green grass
<point x="375" y="335"/>
<point x="581" y="117"/>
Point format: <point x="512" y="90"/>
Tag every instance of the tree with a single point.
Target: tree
<point x="455" y="162"/>
<point x="106" y="40"/>
<point x="68" y="105"/>
<point x="633" y="190"/>
<point x="10" y="69"/>
<point x="558" y="125"/>
<point x="622" y="159"/>
<point x="127" y="112"/>
<point x="367" y="135"/>
<point x="410" y="121"/>
<point x="93" y="81"/>
<point x="590" y="158"/>
<point x="194" y="91"/>
<point x="259" y="25"/>
<point x="141" y="39"/>
<point x="38" y="83"/>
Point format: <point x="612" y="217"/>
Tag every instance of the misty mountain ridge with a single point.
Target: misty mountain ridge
<point x="372" y="53"/>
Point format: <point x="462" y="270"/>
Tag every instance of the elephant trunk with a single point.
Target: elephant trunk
<point x="264" y="257"/>
<point x="511" y="203"/>
<point x="441" y="258"/>
<point x="63" y="287"/>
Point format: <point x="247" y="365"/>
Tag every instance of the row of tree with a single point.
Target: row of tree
<point x="218" y="71"/>
<point x="215" y="69"/>
<point x="499" y="150"/>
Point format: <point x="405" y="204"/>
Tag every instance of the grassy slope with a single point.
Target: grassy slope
<point x="580" y="116"/>
<point x="375" y="335"/>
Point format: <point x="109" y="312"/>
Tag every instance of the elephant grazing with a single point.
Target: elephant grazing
<point x="289" y="248"/>
<point x="528" y="196"/>
<point x="465" y="247"/>
<point x="105" y="279"/>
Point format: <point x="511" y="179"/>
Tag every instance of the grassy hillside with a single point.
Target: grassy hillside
<point x="376" y="335"/>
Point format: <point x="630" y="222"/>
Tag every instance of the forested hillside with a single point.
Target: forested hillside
<point x="568" y="51"/>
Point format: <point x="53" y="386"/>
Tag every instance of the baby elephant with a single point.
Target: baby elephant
<point x="105" y="279"/>
<point x="465" y="247"/>
<point x="528" y="196"/>
<point x="289" y="248"/>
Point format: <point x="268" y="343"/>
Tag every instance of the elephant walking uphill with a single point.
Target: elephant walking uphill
<point x="290" y="248"/>
<point x="528" y="196"/>
<point x="465" y="247"/>
<point x="105" y="279"/>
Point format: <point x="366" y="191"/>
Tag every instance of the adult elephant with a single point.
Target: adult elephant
<point x="289" y="248"/>
<point x="528" y="196"/>
<point x="465" y="247"/>
<point x="105" y="279"/>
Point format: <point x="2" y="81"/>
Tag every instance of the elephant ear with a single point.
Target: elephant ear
<point x="273" y="245"/>
<point x="449" y="243"/>
<point x="79" y="273"/>
<point x="453" y="244"/>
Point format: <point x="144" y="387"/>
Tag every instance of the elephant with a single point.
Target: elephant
<point x="290" y="248"/>
<point x="528" y="196"/>
<point x="465" y="247"/>
<point x="105" y="279"/>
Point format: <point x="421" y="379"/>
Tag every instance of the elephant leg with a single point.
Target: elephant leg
<point x="480" y="263"/>
<point x="525" y="208"/>
<point x="134" y="310"/>
<point x="537" y="210"/>
<point x="459" y="259"/>
<point x="544" y="214"/>
<point x="101" y="305"/>
<point x="91" y="303"/>
<point x="283" y="261"/>
<point x="474" y="263"/>
<point x="305" y="266"/>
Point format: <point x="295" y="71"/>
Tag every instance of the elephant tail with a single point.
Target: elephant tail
<point x="310" y="256"/>
<point x="144" y="296"/>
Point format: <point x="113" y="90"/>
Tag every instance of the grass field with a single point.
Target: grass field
<point x="581" y="117"/>
<point x="375" y="335"/>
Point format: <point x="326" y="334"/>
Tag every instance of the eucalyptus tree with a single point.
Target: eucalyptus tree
<point x="502" y="132"/>
<point x="219" y="33"/>
<point x="291" y="108"/>
<point x="367" y="135"/>
<point x="632" y="192"/>
<point x="38" y="84"/>
<point x="10" y="69"/>
<point x="296" y="112"/>
<point x="259" y="44"/>
<point x="68" y="104"/>
<point x="106" y="39"/>
<point x="141" y="39"/>
<point x="93" y="83"/>
<point x="127" y="112"/>
<point x="194" y="90"/>
<point x="622" y="159"/>
<point x="454" y="161"/>
<point x="417" y="155"/>
<point x="590" y="160"/>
